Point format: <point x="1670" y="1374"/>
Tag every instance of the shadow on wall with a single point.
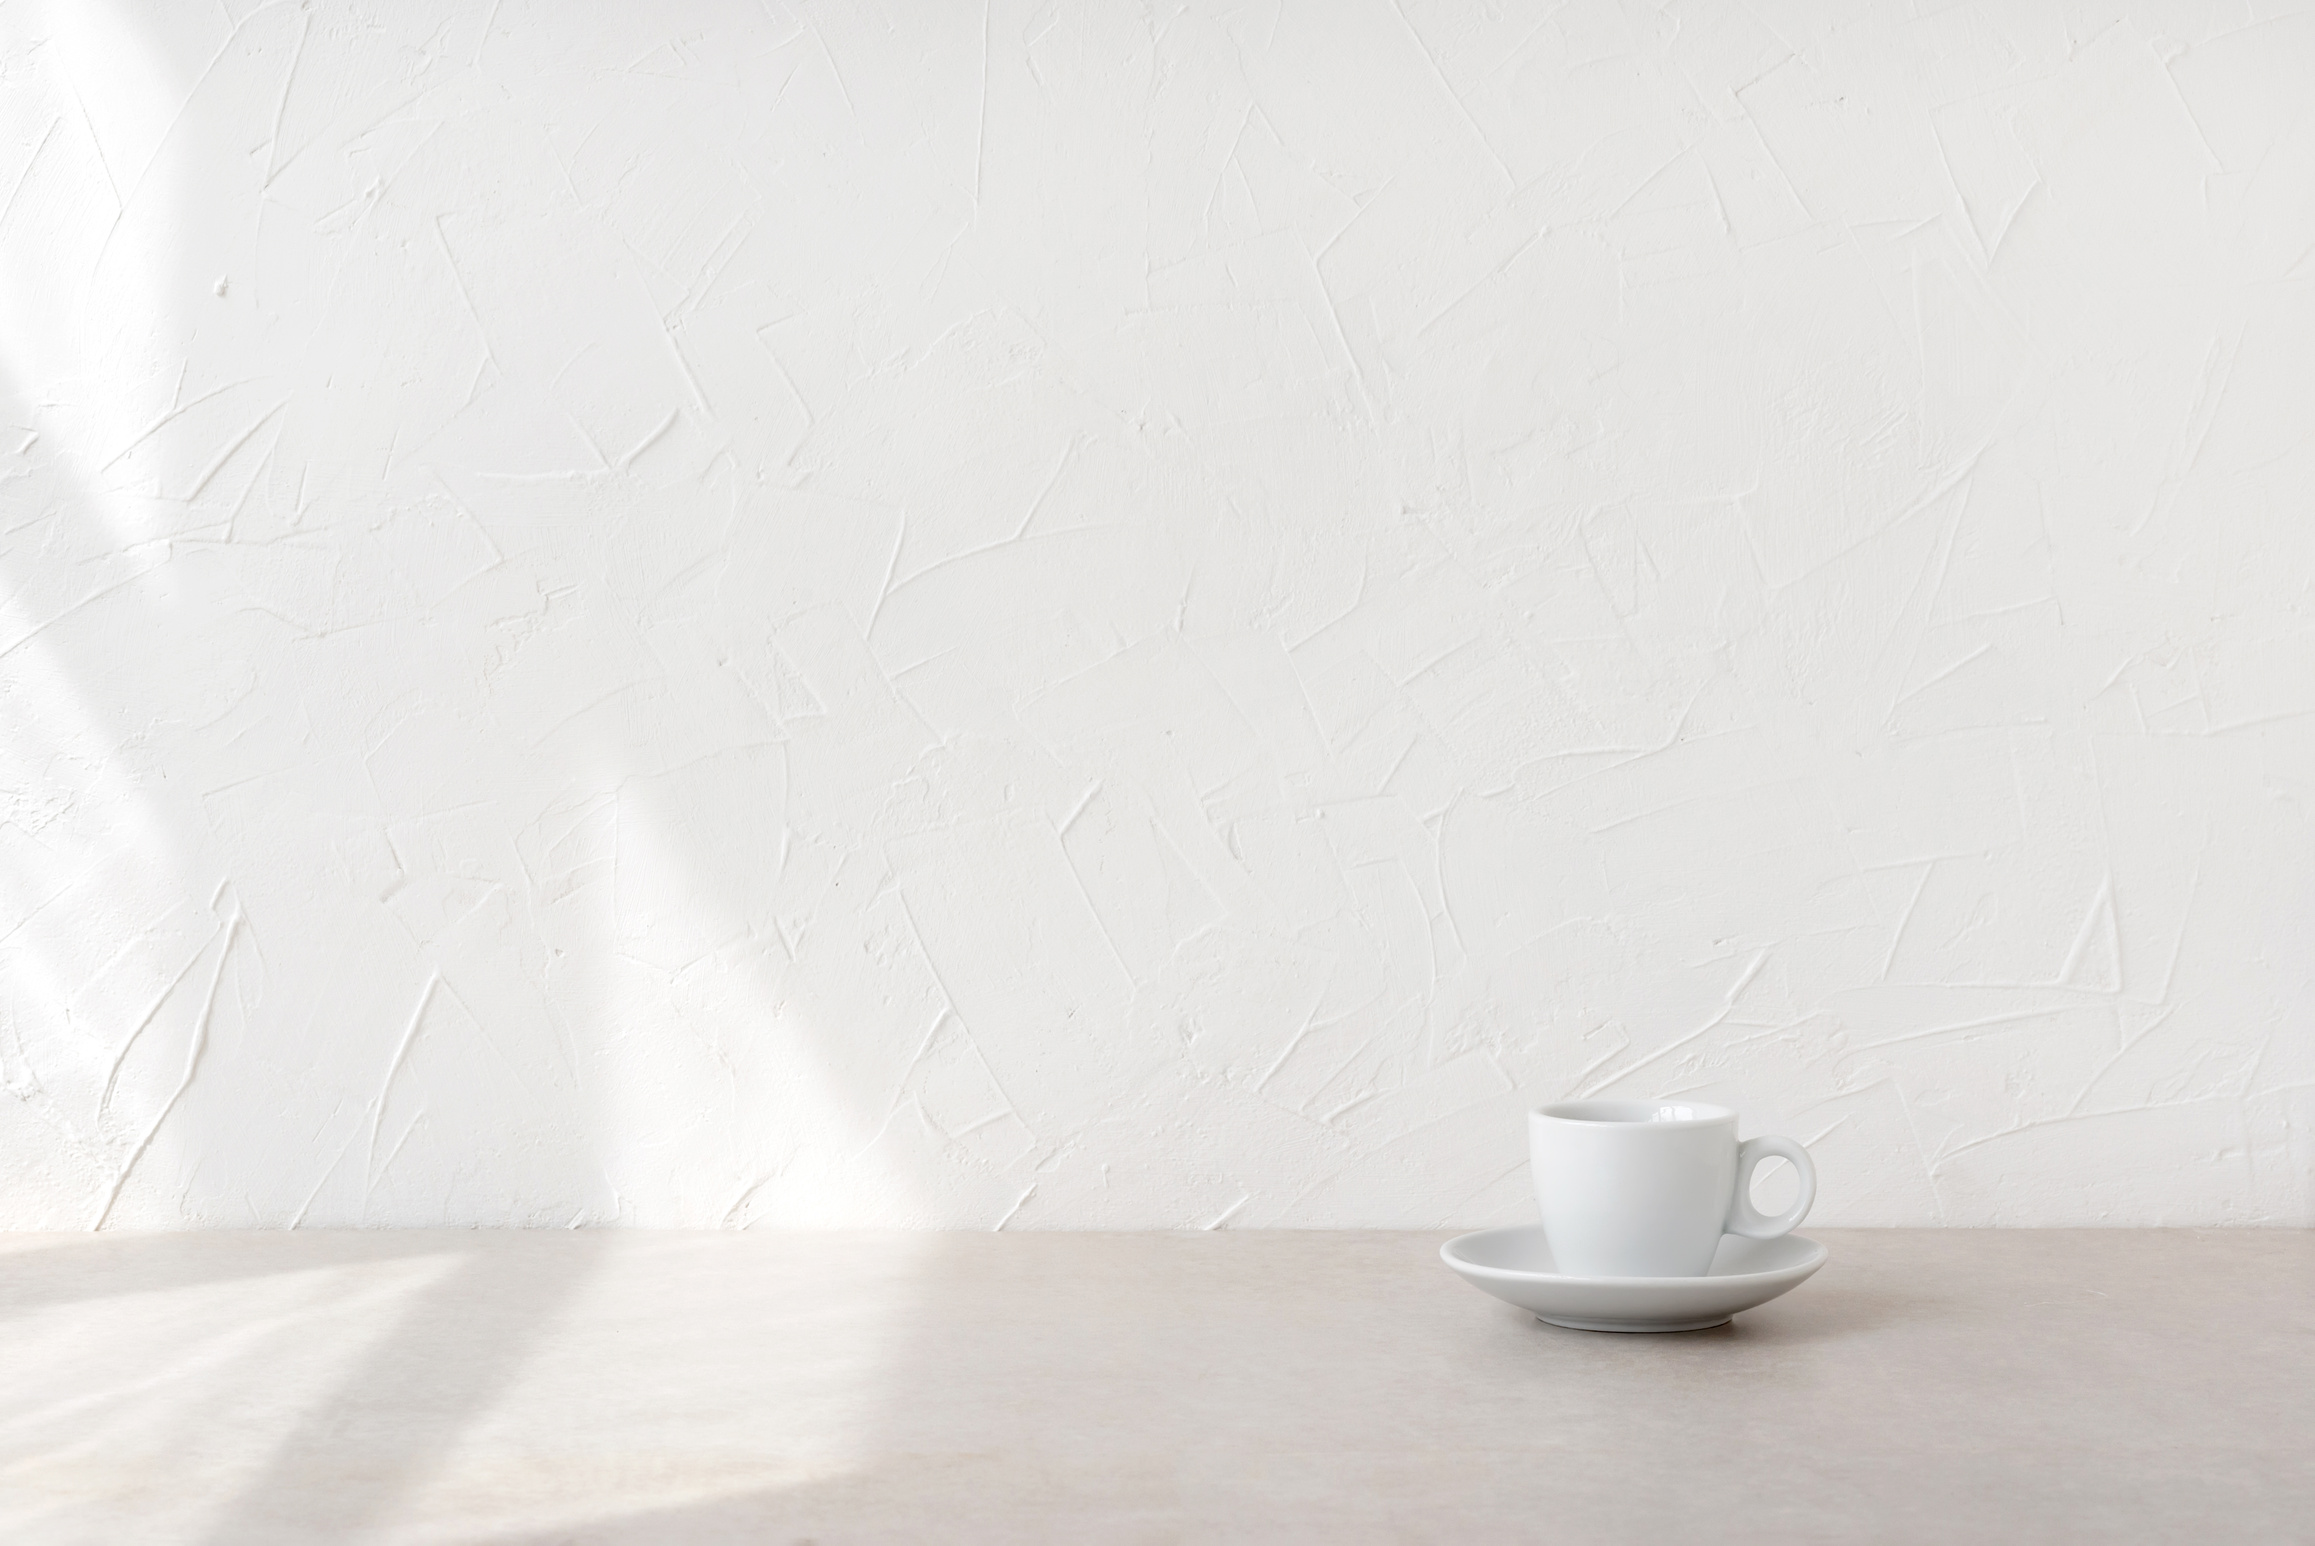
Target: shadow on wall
<point x="384" y="850"/>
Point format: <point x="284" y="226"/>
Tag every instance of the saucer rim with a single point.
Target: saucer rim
<point x="1817" y="1257"/>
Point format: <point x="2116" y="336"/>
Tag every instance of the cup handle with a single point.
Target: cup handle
<point x="1747" y="1220"/>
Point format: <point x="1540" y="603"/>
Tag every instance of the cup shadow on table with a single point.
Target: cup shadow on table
<point x="1833" y="1313"/>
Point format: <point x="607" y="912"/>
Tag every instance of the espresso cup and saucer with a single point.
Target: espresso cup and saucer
<point x="1648" y="1220"/>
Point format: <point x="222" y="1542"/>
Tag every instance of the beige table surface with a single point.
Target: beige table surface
<point x="664" y="1387"/>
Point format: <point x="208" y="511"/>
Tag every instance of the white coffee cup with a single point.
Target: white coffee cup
<point x="1646" y="1188"/>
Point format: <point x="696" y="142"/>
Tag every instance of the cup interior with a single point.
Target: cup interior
<point x="1650" y="1112"/>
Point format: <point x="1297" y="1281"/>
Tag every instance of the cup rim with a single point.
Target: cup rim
<point x="1634" y="1113"/>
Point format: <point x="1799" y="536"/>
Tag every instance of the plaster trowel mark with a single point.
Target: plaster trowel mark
<point x="1727" y="1008"/>
<point x="401" y="1055"/>
<point x="192" y="1066"/>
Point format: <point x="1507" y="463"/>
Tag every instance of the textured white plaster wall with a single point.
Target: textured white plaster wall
<point x="1089" y="615"/>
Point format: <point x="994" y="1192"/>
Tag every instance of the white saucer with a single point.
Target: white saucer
<point x="1515" y="1265"/>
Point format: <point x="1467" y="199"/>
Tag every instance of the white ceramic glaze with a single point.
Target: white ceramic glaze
<point x="1516" y="1265"/>
<point x="1646" y="1189"/>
